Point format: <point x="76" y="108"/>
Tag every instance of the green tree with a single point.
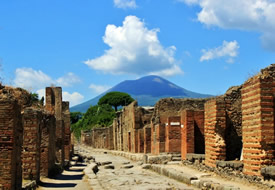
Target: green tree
<point x="116" y="99"/>
<point x="96" y="116"/>
<point x="75" y="117"/>
<point x="34" y="97"/>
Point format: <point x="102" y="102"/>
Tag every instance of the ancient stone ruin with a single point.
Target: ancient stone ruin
<point x="34" y="140"/>
<point x="235" y="129"/>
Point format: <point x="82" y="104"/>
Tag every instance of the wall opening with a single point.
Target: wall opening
<point x="129" y="141"/>
<point x="199" y="140"/>
<point x="233" y="142"/>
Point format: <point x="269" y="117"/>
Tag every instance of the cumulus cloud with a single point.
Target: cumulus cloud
<point x="68" y="80"/>
<point x="74" y="98"/>
<point x="134" y="49"/>
<point x="124" y="4"/>
<point x="99" y="88"/>
<point x="227" y="49"/>
<point x="249" y="15"/>
<point x="33" y="80"/>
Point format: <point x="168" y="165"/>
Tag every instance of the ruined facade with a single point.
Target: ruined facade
<point x="235" y="127"/>
<point x="28" y="135"/>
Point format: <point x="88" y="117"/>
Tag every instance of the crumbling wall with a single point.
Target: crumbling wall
<point x="258" y="121"/>
<point x="67" y="130"/>
<point x="54" y="106"/>
<point x="11" y="140"/>
<point x="47" y="148"/>
<point x="32" y="123"/>
<point x="165" y="108"/>
<point x="147" y="139"/>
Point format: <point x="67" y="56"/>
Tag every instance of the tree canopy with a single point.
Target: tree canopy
<point x="116" y="99"/>
<point x="96" y="116"/>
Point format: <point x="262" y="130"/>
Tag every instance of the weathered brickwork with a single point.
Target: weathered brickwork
<point x="147" y="139"/>
<point x="157" y="138"/>
<point x="67" y="129"/>
<point x="11" y="139"/>
<point x="192" y="132"/>
<point x="47" y="148"/>
<point x="215" y="124"/>
<point x="140" y="141"/>
<point x="28" y="135"/>
<point x="173" y="135"/>
<point x="54" y="105"/>
<point x="258" y="121"/>
<point x="32" y="123"/>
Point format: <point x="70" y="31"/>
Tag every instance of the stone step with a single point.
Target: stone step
<point x="174" y="162"/>
<point x="176" y="158"/>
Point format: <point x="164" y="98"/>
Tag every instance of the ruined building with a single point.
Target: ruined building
<point x="33" y="137"/>
<point x="237" y="126"/>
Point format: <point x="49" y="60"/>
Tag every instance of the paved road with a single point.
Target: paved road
<point x="69" y="179"/>
<point x="121" y="178"/>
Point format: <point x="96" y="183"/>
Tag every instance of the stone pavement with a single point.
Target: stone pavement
<point x="138" y="178"/>
<point x="69" y="179"/>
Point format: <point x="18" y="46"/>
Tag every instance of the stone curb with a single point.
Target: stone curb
<point x="189" y="179"/>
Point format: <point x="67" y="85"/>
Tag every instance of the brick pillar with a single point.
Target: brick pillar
<point x="54" y="105"/>
<point x="173" y="135"/>
<point x="147" y="140"/>
<point x="32" y="123"/>
<point x="187" y="133"/>
<point x="47" y="149"/>
<point x="158" y="139"/>
<point x="67" y="127"/>
<point x="258" y="124"/>
<point x="11" y="139"/>
<point x="140" y="140"/>
<point x="215" y="123"/>
<point x="111" y="138"/>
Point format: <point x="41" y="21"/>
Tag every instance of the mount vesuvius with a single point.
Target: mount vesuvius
<point x="146" y="90"/>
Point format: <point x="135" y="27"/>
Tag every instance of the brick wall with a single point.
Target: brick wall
<point x="140" y="141"/>
<point x="32" y="123"/>
<point x="67" y="130"/>
<point x="173" y="135"/>
<point x="11" y="136"/>
<point x="258" y="123"/>
<point x="215" y="124"/>
<point x="157" y="138"/>
<point x="47" y="149"/>
<point x="192" y="132"/>
<point x="147" y="139"/>
<point x="54" y="105"/>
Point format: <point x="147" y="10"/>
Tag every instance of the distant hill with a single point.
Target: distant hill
<point x="146" y="90"/>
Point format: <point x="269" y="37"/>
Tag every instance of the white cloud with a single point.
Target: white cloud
<point x="189" y="2"/>
<point x="68" y="80"/>
<point x="227" y="49"/>
<point x="134" y="49"/>
<point x="125" y="4"/>
<point x="74" y="98"/>
<point x="249" y="15"/>
<point x="34" y="80"/>
<point x="31" y="79"/>
<point x="99" y="88"/>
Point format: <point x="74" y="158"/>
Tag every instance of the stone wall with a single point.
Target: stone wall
<point x="67" y="130"/>
<point x="47" y="148"/>
<point x="32" y="123"/>
<point x="28" y="135"/>
<point x="11" y="140"/>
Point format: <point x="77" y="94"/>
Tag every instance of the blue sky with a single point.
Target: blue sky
<point x="88" y="46"/>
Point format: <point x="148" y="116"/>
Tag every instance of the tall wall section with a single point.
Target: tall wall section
<point x="11" y="140"/>
<point x="258" y="121"/>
